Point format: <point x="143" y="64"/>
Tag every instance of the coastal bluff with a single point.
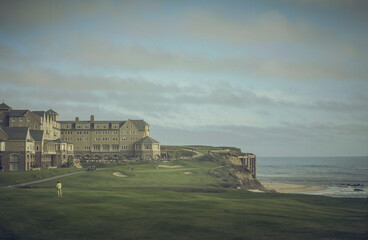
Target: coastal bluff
<point x="237" y="169"/>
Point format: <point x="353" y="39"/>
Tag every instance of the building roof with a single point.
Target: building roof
<point x="37" y="135"/>
<point x="50" y="111"/>
<point x="16" y="133"/>
<point x="98" y="122"/>
<point x="3" y="106"/>
<point x="146" y="140"/>
<point x="140" y="124"/>
<point x="39" y="113"/>
<point x="4" y="133"/>
<point x="17" y="113"/>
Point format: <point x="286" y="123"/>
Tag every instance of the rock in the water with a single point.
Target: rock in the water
<point x="358" y="190"/>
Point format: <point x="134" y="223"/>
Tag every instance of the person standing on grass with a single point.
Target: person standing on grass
<point x="58" y="187"/>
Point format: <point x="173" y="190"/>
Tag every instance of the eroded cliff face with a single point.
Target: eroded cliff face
<point x="234" y="174"/>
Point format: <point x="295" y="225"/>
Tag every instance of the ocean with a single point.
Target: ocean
<point x="343" y="176"/>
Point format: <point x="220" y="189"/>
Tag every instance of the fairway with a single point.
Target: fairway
<point x="166" y="203"/>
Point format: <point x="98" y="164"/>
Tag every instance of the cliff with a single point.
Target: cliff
<point x="234" y="173"/>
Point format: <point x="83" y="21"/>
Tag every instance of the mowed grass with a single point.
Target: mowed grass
<point x="167" y="204"/>
<point x="13" y="178"/>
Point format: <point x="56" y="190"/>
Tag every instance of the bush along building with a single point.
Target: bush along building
<point x="36" y="139"/>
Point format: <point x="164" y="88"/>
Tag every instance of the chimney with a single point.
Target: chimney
<point x="77" y="119"/>
<point x="92" y="118"/>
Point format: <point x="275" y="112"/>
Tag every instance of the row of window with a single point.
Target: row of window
<point x="114" y="147"/>
<point x="79" y="139"/>
<point x="102" y="132"/>
<point x="97" y="126"/>
<point x="21" y="119"/>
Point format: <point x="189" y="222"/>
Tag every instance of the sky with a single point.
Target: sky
<point x="274" y="78"/>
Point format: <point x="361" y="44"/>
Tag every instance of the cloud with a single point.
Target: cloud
<point x="114" y="36"/>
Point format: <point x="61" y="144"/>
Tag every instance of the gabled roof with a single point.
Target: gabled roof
<point x="146" y="140"/>
<point x="50" y="111"/>
<point x="140" y="124"/>
<point x="37" y="135"/>
<point x="17" y="113"/>
<point x="2" y="132"/>
<point x="16" y="133"/>
<point x="3" y="106"/>
<point x="39" y="113"/>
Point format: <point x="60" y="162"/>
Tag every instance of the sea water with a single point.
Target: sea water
<point x="342" y="176"/>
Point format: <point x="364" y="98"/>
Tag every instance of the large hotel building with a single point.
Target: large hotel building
<point x="36" y="139"/>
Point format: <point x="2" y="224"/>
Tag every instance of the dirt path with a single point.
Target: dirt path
<point x="197" y="154"/>
<point x="43" y="180"/>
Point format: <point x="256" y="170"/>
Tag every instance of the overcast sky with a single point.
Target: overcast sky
<point x="275" y="78"/>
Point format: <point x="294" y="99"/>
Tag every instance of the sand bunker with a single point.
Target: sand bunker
<point x="166" y="166"/>
<point x="119" y="174"/>
<point x="255" y="190"/>
<point x="291" y="188"/>
<point x="188" y="173"/>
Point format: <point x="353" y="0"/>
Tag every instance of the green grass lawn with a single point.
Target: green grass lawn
<point x="167" y="204"/>
<point x="13" y="178"/>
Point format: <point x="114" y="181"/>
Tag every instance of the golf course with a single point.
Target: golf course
<point x="177" y="199"/>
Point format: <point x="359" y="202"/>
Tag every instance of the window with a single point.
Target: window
<point x="115" y="139"/>
<point x="20" y="119"/>
<point x="14" y="162"/>
<point x="106" y="147"/>
<point x="86" y="139"/>
<point x="97" y="139"/>
<point x="124" y="147"/>
<point x="124" y="138"/>
<point x="87" y="147"/>
<point x="115" y="147"/>
<point x="104" y="126"/>
<point x="96" y="147"/>
<point x="28" y="120"/>
<point x="13" y="119"/>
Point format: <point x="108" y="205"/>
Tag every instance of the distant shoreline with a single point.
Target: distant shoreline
<point x="291" y="188"/>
